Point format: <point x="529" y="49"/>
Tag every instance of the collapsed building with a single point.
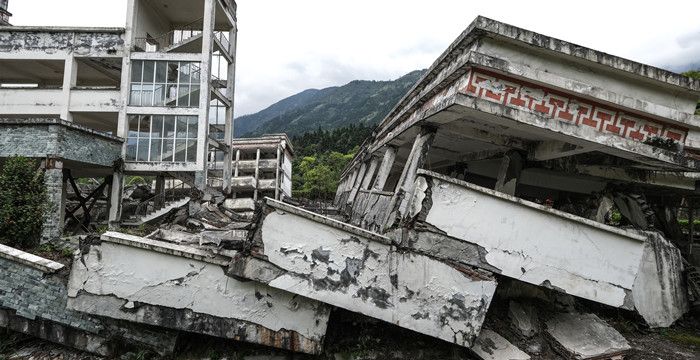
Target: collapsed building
<point x="519" y="167"/>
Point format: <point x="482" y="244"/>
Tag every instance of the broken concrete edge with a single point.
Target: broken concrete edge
<point x="490" y="345"/>
<point x="25" y="258"/>
<point x="61" y="122"/>
<point x="43" y="29"/>
<point x="328" y="221"/>
<point x="165" y="248"/>
<point x="632" y="234"/>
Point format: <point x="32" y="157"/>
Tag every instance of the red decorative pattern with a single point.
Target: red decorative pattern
<point x="569" y="109"/>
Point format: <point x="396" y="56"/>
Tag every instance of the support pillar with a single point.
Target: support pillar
<point x="366" y="182"/>
<point x="385" y="168"/>
<point x="205" y="93"/>
<point x="229" y="125"/>
<point x="70" y="79"/>
<point x="257" y="174"/>
<point x="358" y="183"/>
<point x="160" y="189"/>
<point x="115" y="199"/>
<point x="509" y="172"/>
<point x="400" y="201"/>
<point x="54" y="217"/>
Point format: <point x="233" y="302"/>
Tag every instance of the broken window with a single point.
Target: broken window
<point x="162" y="138"/>
<point x="164" y="83"/>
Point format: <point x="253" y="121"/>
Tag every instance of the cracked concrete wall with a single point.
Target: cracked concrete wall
<point x="321" y="260"/>
<point x="145" y="286"/>
<point x="530" y="242"/>
<point x="659" y="293"/>
<point x="33" y="301"/>
<point x="58" y="42"/>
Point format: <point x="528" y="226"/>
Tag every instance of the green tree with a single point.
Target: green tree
<point x="22" y="203"/>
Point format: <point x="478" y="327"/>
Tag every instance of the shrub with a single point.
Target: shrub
<point x="23" y="202"/>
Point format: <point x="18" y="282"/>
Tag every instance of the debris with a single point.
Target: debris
<point x="492" y="346"/>
<point x="585" y="336"/>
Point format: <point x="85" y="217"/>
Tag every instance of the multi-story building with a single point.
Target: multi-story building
<point x="154" y="98"/>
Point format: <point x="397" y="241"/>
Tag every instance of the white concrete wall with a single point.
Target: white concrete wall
<point x="121" y="277"/>
<point x="347" y="270"/>
<point x="51" y="101"/>
<point x="536" y="244"/>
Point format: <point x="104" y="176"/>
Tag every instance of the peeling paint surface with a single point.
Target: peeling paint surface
<point x="375" y="279"/>
<point x="659" y="293"/>
<point x="538" y="245"/>
<point x="130" y="283"/>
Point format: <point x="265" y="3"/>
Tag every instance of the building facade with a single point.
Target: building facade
<point x="154" y="98"/>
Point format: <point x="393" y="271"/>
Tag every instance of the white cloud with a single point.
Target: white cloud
<point x="289" y="46"/>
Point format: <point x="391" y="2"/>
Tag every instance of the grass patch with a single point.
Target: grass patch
<point x="682" y="337"/>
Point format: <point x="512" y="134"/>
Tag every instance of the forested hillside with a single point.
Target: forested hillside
<point x="358" y="102"/>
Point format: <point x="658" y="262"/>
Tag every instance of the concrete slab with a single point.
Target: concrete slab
<point x="492" y="346"/>
<point x="354" y="269"/>
<point x="530" y="242"/>
<point x="120" y="280"/>
<point x="585" y="336"/>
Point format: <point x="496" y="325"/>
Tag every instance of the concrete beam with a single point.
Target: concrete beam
<point x="549" y="150"/>
<point x="189" y="291"/>
<point x="321" y="258"/>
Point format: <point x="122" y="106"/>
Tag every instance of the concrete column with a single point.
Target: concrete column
<point x="509" y="172"/>
<point x="385" y="168"/>
<point x="277" y="174"/>
<point x="160" y="189"/>
<point x="70" y="79"/>
<point x="54" y="217"/>
<point x="229" y="126"/>
<point x="358" y="183"/>
<point x="257" y="174"/>
<point x="115" y="199"/>
<point x="400" y="201"/>
<point x="205" y="92"/>
<point x="366" y="182"/>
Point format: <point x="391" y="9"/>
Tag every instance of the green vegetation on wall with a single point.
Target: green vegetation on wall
<point x="695" y="74"/>
<point x="23" y="201"/>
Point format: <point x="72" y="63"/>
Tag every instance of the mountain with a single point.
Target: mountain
<point x="358" y="102"/>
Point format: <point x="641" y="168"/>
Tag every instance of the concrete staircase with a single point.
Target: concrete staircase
<point x="156" y="212"/>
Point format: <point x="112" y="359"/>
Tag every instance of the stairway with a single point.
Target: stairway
<point x="155" y="213"/>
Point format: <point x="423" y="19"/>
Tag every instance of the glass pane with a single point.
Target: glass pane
<point x="155" y="149"/>
<point x="145" y="127"/>
<point x="131" y="149"/>
<point x="133" y="126"/>
<point x="192" y="127"/>
<point x="194" y="96"/>
<point x="181" y="129"/>
<point x="159" y="95"/>
<point x="136" y="68"/>
<point x="180" y="148"/>
<point x="168" y="150"/>
<point x="147" y="95"/>
<point x="172" y="72"/>
<point x="183" y="95"/>
<point x="184" y="73"/>
<point x="169" y="127"/>
<point x="161" y="71"/>
<point x="157" y="128"/>
<point x="195" y="70"/>
<point x="142" y="154"/>
<point x="148" y="71"/>
<point x="172" y="95"/>
<point x="191" y="150"/>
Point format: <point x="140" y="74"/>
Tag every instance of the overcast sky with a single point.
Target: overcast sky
<point x="288" y="46"/>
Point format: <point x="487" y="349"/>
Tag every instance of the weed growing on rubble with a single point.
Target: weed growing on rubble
<point x="23" y="202"/>
<point x="682" y="337"/>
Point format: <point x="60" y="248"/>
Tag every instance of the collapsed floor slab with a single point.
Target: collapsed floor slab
<point x="33" y="296"/>
<point x="585" y="336"/>
<point x="151" y="282"/>
<point x="529" y="242"/>
<point x="339" y="264"/>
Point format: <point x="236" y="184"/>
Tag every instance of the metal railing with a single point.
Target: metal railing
<point x="225" y="43"/>
<point x="159" y="201"/>
<point x="173" y="37"/>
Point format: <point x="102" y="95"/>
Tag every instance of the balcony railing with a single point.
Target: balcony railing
<point x="169" y="39"/>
